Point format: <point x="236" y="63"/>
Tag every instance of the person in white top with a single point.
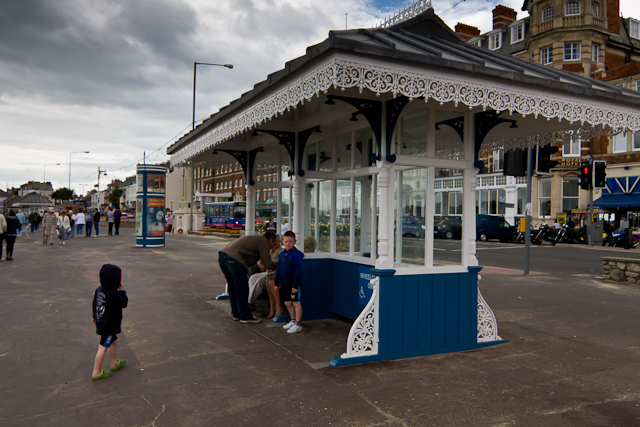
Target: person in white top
<point x="284" y="227"/>
<point x="80" y="221"/>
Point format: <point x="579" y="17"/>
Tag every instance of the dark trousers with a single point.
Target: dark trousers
<point x="89" y="225"/>
<point x="117" y="223"/>
<point x="110" y="229"/>
<point x="10" y="242"/>
<point x="238" y="284"/>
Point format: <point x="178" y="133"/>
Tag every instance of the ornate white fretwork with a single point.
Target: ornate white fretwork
<point x="487" y="325"/>
<point x="363" y="337"/>
<point x="344" y="74"/>
<point x="409" y="12"/>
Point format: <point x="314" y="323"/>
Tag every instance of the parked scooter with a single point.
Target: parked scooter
<point x="617" y="239"/>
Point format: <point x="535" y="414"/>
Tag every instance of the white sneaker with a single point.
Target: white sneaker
<point x="294" y="329"/>
<point x="289" y="325"/>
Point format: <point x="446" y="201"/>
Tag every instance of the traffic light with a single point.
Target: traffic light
<point x="585" y="177"/>
<point x="545" y="163"/>
<point x="515" y="162"/>
<point x="599" y="174"/>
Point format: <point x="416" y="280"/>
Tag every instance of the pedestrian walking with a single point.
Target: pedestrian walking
<point x="88" y="220"/>
<point x="117" y="214"/>
<point x="108" y="301"/>
<point x="96" y="222"/>
<point x="64" y="227"/>
<point x="13" y="227"/>
<point x="32" y="221"/>
<point x="21" y="219"/>
<point x="3" y="230"/>
<point x="49" y="222"/>
<point x="110" y="220"/>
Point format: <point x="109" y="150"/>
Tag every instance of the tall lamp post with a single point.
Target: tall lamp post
<point x="193" y="126"/>
<point x="73" y="152"/>
<point x="44" y="171"/>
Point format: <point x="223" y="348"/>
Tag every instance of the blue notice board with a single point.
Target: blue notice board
<point x="364" y="288"/>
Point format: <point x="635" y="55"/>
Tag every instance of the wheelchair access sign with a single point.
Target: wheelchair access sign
<point x="365" y="289"/>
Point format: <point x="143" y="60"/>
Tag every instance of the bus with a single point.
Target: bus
<point x="225" y="214"/>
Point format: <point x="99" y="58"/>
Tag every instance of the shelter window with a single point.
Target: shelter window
<point x="595" y="52"/>
<point x="570" y="194"/>
<point x="547" y="14"/>
<point x="411" y="134"/>
<point x="495" y="41"/>
<point x="572" y="8"/>
<point x="517" y="32"/>
<point x="491" y="201"/>
<point x="595" y="9"/>
<point x="546" y="55"/>
<point x="544" y="197"/>
<point x="634" y="28"/>
<point x="572" y="51"/>
<point x="636" y="141"/>
<point x="620" y="143"/>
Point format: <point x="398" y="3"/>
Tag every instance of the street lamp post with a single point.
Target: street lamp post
<point x="193" y="126"/>
<point x="73" y="152"/>
<point x="44" y="171"/>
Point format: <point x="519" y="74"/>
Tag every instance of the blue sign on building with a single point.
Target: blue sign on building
<point x="365" y="290"/>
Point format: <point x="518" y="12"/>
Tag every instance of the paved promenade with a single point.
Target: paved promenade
<point x="573" y="356"/>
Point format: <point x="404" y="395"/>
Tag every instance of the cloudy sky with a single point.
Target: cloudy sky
<point x="115" y="77"/>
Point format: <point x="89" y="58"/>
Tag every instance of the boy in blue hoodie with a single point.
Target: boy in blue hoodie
<point x="108" y="301"/>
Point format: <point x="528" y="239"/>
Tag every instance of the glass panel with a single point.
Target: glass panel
<point x="411" y="134"/>
<point x="570" y="194"/>
<point x="310" y="217"/>
<point x="447" y="244"/>
<point x="285" y="169"/>
<point x="411" y="196"/>
<point x="522" y="200"/>
<point x="286" y="207"/>
<point x="343" y="146"/>
<point x="364" y="145"/>
<point x="311" y="157"/>
<point x="325" y="159"/>
<point x="362" y="215"/>
<point x="324" y="216"/>
<point x="449" y="131"/>
<point x="343" y="215"/>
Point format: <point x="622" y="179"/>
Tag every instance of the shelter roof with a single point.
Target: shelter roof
<point x="418" y="58"/>
<point x="31" y="199"/>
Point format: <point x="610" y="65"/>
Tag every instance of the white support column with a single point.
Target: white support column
<point x="298" y="211"/>
<point x="469" y="195"/>
<point x="250" y="221"/>
<point x="385" y="223"/>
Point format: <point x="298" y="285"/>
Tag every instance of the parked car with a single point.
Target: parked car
<point x="494" y="227"/>
<point x="448" y="228"/>
<point x="412" y="226"/>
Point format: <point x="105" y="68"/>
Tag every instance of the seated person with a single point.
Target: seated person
<point x="258" y="282"/>
<point x="309" y="244"/>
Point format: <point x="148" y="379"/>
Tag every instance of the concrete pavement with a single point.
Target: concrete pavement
<point x="572" y="358"/>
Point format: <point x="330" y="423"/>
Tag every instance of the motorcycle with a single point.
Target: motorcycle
<point x="543" y="231"/>
<point x="617" y="239"/>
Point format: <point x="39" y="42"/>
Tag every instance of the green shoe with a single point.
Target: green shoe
<point x="103" y="374"/>
<point x="120" y="364"/>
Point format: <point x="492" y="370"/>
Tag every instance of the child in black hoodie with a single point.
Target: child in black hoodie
<point x="108" y="301"/>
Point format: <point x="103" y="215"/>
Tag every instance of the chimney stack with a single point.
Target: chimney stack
<point x="467" y="31"/>
<point x="503" y="15"/>
<point x="613" y="16"/>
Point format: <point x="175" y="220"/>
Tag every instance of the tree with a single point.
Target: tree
<point x="114" y="196"/>
<point x="63" y="194"/>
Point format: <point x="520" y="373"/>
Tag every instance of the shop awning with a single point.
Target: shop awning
<point x="617" y="201"/>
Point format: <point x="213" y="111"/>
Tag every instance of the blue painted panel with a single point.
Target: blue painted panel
<point x="468" y="308"/>
<point x="410" y="314"/>
<point x="438" y="307"/>
<point x="395" y="300"/>
<point x="452" y="305"/>
<point x="345" y="280"/>
<point x="425" y="298"/>
<point x="316" y="289"/>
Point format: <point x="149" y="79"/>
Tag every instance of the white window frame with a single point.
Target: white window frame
<point x="572" y="183"/>
<point x="635" y="143"/>
<point x="495" y="40"/>
<point x="595" y="52"/>
<point x="572" y="8"/>
<point x="619" y="143"/>
<point x="595" y="9"/>
<point x="547" y="13"/>
<point x="541" y="183"/>
<point x="574" y="146"/>
<point x="574" y="48"/>
<point x="476" y="42"/>
<point x="517" y="32"/>
<point x="634" y="28"/>
<point x="546" y="55"/>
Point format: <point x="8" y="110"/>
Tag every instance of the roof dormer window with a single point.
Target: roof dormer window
<point x="634" y="29"/>
<point x="517" y="32"/>
<point x="495" y="41"/>
<point x="572" y="8"/>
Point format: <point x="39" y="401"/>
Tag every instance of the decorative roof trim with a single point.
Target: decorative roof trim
<point x="427" y="83"/>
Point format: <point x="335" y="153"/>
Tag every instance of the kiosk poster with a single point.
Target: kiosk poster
<point x="155" y="183"/>
<point x="139" y="217"/>
<point x="155" y="216"/>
